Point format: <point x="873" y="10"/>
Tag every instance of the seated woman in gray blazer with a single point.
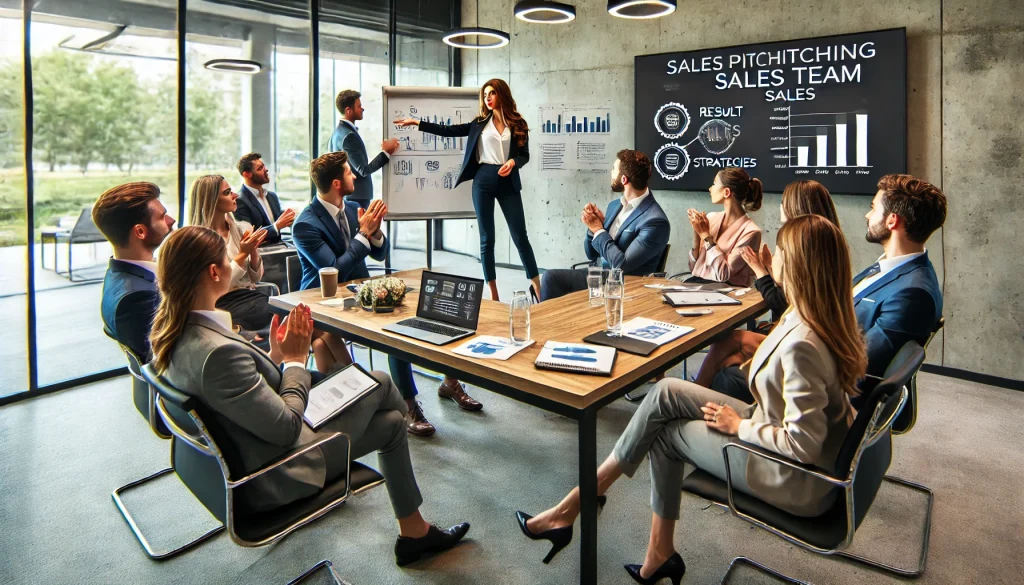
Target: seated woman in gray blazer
<point x="257" y="399"/>
<point x="802" y="376"/>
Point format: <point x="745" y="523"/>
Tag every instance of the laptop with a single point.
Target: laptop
<point x="448" y="309"/>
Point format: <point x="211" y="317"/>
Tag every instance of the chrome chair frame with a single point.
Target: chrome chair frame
<point x="875" y="431"/>
<point x="324" y="563"/>
<point x="134" y="368"/>
<point x="758" y="567"/>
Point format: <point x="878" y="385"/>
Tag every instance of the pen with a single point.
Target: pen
<point x="574" y="349"/>
<point x="579" y="358"/>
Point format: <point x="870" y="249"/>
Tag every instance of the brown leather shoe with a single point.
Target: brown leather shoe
<point x="418" y="423"/>
<point x="458" y="394"/>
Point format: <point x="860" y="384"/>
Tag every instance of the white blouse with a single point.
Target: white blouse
<point x="492" y="148"/>
<point x="241" y="276"/>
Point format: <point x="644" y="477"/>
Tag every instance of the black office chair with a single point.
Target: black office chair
<point x="144" y="396"/>
<point x="907" y="417"/>
<point x="212" y="471"/>
<point x="860" y="470"/>
<point x="324" y="564"/>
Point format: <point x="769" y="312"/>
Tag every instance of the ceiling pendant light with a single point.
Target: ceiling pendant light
<point x="641" y="8"/>
<point x="543" y="12"/>
<point x="475" y="37"/>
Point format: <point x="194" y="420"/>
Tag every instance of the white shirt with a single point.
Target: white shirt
<point x="357" y="132"/>
<point x="223" y="318"/>
<point x="145" y="265"/>
<point x="492" y="148"/>
<point x="886" y="265"/>
<point x="261" y="196"/>
<point x="333" y="210"/>
<point x="625" y="211"/>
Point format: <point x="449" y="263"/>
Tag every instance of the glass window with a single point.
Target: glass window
<point x="13" y="237"/>
<point x="103" y="107"/>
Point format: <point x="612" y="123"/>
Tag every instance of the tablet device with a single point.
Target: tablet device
<point x="698" y="298"/>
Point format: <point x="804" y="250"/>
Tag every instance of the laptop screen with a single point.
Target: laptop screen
<point x="450" y="299"/>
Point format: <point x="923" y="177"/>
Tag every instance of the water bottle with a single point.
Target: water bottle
<point x="519" y="317"/>
<point x="614" y="291"/>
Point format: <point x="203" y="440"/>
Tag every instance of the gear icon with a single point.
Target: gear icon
<point x="672" y="161"/>
<point x="672" y="120"/>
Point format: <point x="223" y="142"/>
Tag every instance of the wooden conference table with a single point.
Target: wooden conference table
<point x="577" y="396"/>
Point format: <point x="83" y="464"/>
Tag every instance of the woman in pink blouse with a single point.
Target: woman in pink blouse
<point x="718" y="237"/>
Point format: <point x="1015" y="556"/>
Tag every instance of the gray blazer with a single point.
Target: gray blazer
<point x="256" y="406"/>
<point x="345" y="138"/>
<point x="801" y="413"/>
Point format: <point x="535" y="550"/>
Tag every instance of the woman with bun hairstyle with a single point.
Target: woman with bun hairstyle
<point x="719" y="237"/>
<point x="497" y="146"/>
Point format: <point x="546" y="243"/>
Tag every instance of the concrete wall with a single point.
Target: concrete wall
<point x="965" y="73"/>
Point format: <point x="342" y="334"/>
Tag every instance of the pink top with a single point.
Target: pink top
<point x="723" y="262"/>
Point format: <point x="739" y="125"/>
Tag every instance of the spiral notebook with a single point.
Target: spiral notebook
<point x="580" y="358"/>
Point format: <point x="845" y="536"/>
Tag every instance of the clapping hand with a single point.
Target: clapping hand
<point x="407" y="122"/>
<point x="390" y="145"/>
<point x="251" y="240"/>
<point x="592" y="217"/>
<point x="286" y="219"/>
<point x="760" y="263"/>
<point x="290" y="339"/>
<point x="506" y="168"/>
<point x="371" y="218"/>
<point x="699" y="221"/>
<point x="722" y="418"/>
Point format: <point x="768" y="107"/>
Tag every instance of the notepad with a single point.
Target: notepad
<point x="334" y="394"/>
<point x="490" y="347"/>
<point x="576" y="357"/>
<point x="641" y="336"/>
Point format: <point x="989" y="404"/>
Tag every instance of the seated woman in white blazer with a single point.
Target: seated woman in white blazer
<point x="801" y="377"/>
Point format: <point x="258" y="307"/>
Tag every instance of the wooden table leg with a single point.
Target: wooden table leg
<point x="588" y="496"/>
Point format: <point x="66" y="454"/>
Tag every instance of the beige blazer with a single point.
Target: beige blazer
<point x="801" y="413"/>
<point x="724" y="262"/>
<point x="257" y="408"/>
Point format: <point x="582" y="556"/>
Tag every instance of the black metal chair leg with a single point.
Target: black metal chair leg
<point x="309" y="572"/>
<point x="116" y="495"/>
<point x="758" y="567"/>
<point x="923" y="559"/>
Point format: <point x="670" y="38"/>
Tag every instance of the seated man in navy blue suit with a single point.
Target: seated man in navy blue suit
<point x="631" y="235"/>
<point x="898" y="298"/>
<point x="256" y="205"/>
<point x="134" y="221"/>
<point x="335" y="232"/>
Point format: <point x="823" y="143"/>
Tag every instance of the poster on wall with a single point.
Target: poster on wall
<point x="833" y="109"/>
<point x="573" y="138"/>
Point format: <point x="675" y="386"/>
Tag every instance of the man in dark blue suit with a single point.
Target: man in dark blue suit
<point x="898" y="298"/>
<point x="256" y="205"/>
<point x="631" y="235"/>
<point x="336" y="233"/>
<point x="346" y="139"/>
<point x="134" y="221"/>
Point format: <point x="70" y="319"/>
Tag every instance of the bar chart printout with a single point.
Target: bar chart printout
<point x="574" y="137"/>
<point x="575" y="120"/>
<point x="828" y="140"/>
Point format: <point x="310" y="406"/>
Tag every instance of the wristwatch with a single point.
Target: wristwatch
<point x="708" y="242"/>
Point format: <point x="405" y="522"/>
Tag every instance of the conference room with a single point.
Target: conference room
<point x="679" y="273"/>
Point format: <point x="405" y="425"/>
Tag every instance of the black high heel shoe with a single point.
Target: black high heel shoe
<point x="673" y="568"/>
<point x="559" y="537"/>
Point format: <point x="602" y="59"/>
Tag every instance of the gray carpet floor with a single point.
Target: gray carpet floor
<point x="62" y="454"/>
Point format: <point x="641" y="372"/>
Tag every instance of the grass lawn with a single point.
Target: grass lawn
<point x="65" y="193"/>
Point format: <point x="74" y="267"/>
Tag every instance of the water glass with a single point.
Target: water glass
<point x="614" y="292"/>
<point x="519" y="318"/>
<point x="594" y="285"/>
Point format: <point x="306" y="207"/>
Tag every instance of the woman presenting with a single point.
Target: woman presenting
<point x="498" y="145"/>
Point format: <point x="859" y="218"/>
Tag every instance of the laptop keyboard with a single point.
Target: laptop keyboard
<point x="432" y="327"/>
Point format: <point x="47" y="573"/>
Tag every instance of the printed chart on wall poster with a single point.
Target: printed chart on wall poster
<point x="572" y="137"/>
<point x="831" y="109"/>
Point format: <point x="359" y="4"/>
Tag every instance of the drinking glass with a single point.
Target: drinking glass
<point x="614" y="291"/>
<point x="594" y="284"/>
<point x="519" y="318"/>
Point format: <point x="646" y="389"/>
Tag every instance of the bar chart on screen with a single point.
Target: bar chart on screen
<point x="836" y="140"/>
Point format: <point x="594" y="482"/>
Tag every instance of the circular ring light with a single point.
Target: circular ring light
<point x="542" y="12"/>
<point x="641" y="8"/>
<point x="486" y="38"/>
<point x="234" y="66"/>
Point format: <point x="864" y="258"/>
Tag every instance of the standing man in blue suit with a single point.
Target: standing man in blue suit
<point x="631" y="235"/>
<point x="134" y="221"/>
<point x="898" y="298"/>
<point x="346" y="139"/>
<point x="256" y="205"/>
<point x="333" y="232"/>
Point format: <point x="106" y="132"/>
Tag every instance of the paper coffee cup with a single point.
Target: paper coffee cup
<point x="328" y="282"/>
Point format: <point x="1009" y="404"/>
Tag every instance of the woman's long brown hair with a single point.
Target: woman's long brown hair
<point x="509" y="113"/>
<point x="816" y="275"/>
<point x="808" y="198"/>
<point x="184" y="257"/>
